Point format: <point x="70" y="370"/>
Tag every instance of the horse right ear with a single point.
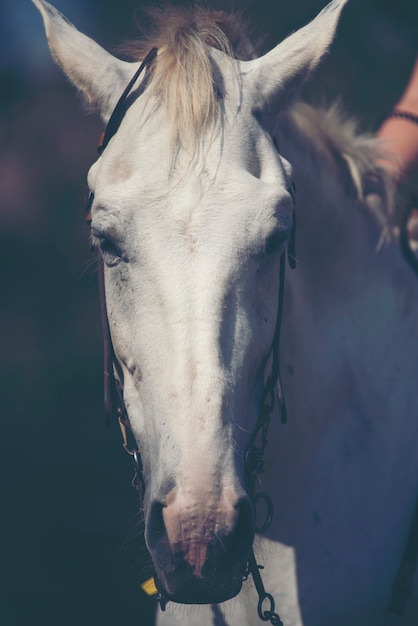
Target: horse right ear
<point x="275" y="78"/>
<point x="100" y="76"/>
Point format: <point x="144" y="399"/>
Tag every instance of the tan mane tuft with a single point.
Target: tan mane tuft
<point x="184" y="80"/>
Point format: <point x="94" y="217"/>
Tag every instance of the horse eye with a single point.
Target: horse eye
<point x="276" y="241"/>
<point x="110" y="252"/>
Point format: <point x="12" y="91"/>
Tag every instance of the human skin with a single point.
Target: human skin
<point x="400" y="135"/>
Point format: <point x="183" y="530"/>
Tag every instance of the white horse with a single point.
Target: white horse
<point x="191" y="210"/>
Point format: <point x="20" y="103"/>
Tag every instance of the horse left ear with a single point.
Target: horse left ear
<point x="276" y="77"/>
<point x="100" y="76"/>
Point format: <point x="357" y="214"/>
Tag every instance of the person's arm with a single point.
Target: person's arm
<point x="399" y="132"/>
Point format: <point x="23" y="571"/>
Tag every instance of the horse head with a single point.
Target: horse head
<point x="192" y="208"/>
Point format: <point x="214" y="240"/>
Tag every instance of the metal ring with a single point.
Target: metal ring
<point x="137" y="461"/>
<point x="270" y="509"/>
<point x="254" y="460"/>
<point x="266" y="615"/>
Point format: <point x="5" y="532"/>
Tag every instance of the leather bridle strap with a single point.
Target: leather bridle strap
<point x="114" y="406"/>
<point x="109" y="383"/>
<point x="120" y="109"/>
<point x="254" y="463"/>
<point x="116" y="119"/>
<point x="273" y="388"/>
<point x="112" y="390"/>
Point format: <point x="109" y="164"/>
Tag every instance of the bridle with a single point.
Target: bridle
<point x="114" y="408"/>
<point x="113" y="386"/>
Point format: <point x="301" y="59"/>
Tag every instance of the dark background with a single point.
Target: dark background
<point x="68" y="526"/>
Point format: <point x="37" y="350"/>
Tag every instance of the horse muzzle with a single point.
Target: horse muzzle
<point x="200" y="552"/>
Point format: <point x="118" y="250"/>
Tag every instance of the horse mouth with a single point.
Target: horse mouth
<point x="201" y="569"/>
<point x="183" y="587"/>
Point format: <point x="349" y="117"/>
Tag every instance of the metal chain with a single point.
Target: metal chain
<point x="254" y="462"/>
<point x="254" y="454"/>
<point x="266" y="615"/>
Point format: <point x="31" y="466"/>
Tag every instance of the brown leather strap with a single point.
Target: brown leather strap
<point x="109" y="383"/>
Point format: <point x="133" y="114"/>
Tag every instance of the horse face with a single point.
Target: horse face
<point x="190" y="246"/>
<point x="191" y="275"/>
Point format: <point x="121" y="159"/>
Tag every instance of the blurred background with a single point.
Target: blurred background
<point x="68" y="513"/>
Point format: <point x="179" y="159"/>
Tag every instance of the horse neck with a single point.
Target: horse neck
<point x="332" y="287"/>
<point x="349" y="316"/>
<point x="347" y="302"/>
<point x="336" y="233"/>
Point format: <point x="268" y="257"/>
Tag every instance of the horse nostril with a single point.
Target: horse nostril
<point x="175" y="530"/>
<point x="239" y="539"/>
<point x="155" y="530"/>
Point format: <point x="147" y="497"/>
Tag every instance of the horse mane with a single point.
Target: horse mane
<point x="184" y="80"/>
<point x="335" y="153"/>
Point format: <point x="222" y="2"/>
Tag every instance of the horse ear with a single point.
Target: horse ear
<point x="276" y="77"/>
<point x="100" y="76"/>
